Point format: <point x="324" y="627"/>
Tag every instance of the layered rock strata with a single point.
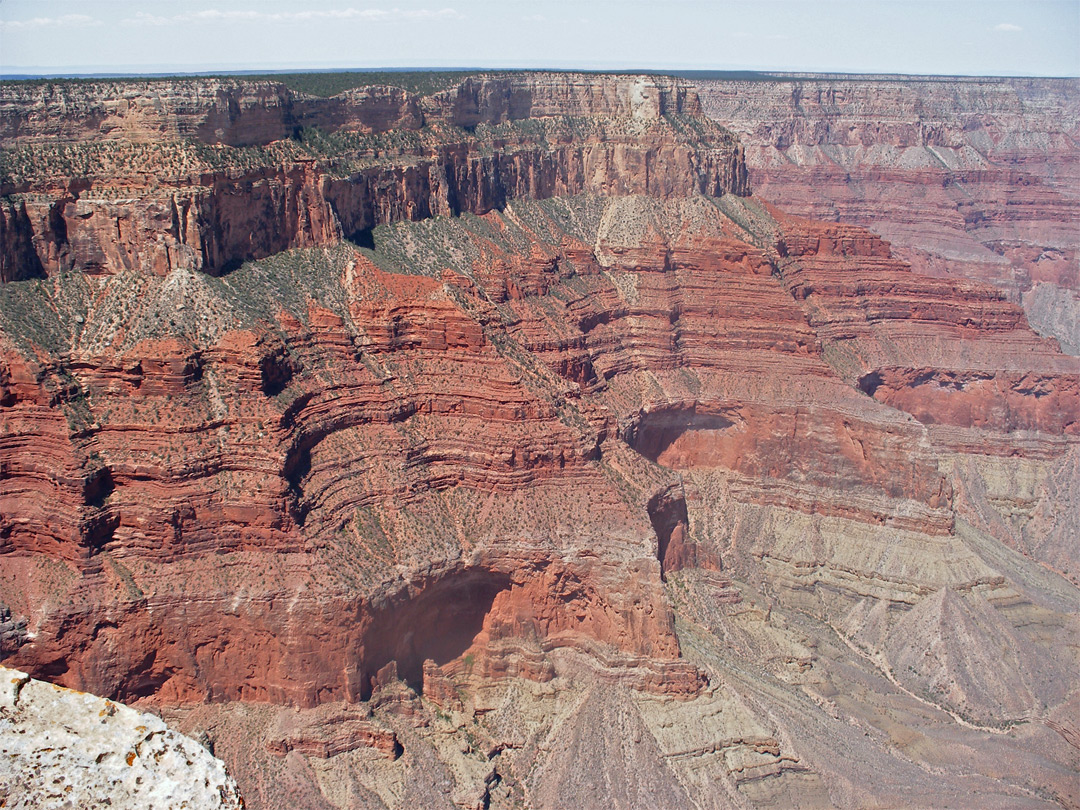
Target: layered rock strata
<point x="967" y="177"/>
<point x="418" y="516"/>
<point x="474" y="460"/>
<point x="144" y="176"/>
<point x="246" y="113"/>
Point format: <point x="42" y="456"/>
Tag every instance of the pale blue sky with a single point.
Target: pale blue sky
<point x="988" y="37"/>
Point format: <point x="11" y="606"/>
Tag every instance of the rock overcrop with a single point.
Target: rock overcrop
<point x="65" y="749"/>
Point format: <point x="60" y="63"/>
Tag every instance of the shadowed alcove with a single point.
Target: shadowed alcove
<point x="439" y="621"/>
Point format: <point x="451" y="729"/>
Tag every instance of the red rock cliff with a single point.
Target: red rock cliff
<point x="970" y="178"/>
<point x="576" y="450"/>
<point x="140" y="191"/>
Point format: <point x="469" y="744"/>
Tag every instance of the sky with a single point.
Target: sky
<point x="943" y="37"/>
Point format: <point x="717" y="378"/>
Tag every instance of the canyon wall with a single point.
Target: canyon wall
<point x="577" y="476"/>
<point x="126" y="175"/>
<point x="404" y="478"/>
<point x="241" y="112"/>
<point x="966" y="177"/>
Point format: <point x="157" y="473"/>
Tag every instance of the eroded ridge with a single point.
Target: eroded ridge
<point x="207" y="174"/>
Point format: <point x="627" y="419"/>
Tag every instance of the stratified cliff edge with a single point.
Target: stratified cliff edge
<point x="496" y="448"/>
<point x="967" y="177"/>
<point x="100" y="178"/>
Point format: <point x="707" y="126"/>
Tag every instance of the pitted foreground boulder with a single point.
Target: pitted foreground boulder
<point x="65" y="749"/>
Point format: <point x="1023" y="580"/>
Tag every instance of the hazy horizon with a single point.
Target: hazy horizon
<point x="915" y="37"/>
<point x="163" y="71"/>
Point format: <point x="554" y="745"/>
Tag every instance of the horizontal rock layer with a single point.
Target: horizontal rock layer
<point x="154" y="197"/>
<point x="404" y="521"/>
<point x="392" y="447"/>
<point x="241" y="112"/>
<point x="969" y="178"/>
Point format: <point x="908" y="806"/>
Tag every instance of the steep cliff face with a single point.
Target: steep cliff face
<point x="119" y="175"/>
<point x="246" y="113"/>
<point x="514" y="503"/>
<point x="970" y="178"/>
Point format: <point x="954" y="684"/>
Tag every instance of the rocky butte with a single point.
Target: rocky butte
<point x="492" y="443"/>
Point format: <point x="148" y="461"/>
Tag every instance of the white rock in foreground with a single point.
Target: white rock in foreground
<point x="65" y="749"/>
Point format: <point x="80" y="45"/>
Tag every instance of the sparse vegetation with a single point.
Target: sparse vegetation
<point x="314" y="83"/>
<point x="421" y="83"/>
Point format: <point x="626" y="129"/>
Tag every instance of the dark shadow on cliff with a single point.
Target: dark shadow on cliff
<point x="675" y="549"/>
<point x="656" y="431"/>
<point x="363" y="238"/>
<point x="440" y="622"/>
<point x="19" y="260"/>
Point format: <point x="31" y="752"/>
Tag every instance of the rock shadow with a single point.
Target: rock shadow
<point x="654" y="432"/>
<point x="439" y="621"/>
